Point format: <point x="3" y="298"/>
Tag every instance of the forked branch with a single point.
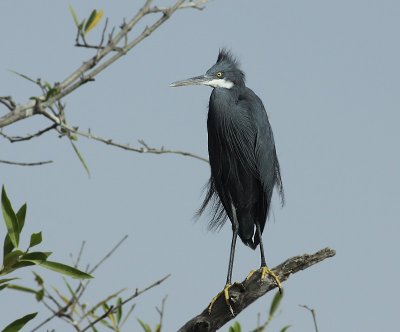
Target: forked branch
<point x="117" y="46"/>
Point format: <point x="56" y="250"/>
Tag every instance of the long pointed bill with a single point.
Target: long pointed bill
<point x="198" y="80"/>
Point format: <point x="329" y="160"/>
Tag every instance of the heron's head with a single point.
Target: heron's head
<point x="224" y="74"/>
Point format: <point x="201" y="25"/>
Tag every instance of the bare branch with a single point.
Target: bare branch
<point x="17" y="163"/>
<point x="242" y="295"/>
<point x="78" y="259"/>
<point x="108" y="254"/>
<point x="193" y="4"/>
<point x="161" y="311"/>
<point x="8" y="102"/>
<point x="144" y="149"/>
<point x="313" y="315"/>
<point x="28" y="137"/>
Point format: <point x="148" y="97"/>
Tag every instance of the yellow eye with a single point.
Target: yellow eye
<point x="219" y="74"/>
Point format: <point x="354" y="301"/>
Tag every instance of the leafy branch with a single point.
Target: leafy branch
<point x="15" y="258"/>
<point x="49" y="104"/>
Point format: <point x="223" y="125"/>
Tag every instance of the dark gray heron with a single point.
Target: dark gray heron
<point x="243" y="160"/>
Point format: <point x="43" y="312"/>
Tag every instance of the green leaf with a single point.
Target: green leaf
<point x="19" y="323"/>
<point x="52" y="92"/>
<point x="128" y="314"/>
<point x="71" y="291"/>
<point x="19" y="265"/>
<point x="11" y="258"/>
<point x="119" y="309"/>
<point x="7" y="246"/>
<point x="94" y="18"/>
<point x="112" y="319"/>
<point x="101" y="303"/>
<point x="65" y="269"/>
<point x="105" y="307"/>
<point x="22" y="288"/>
<point x="25" y="77"/>
<point x="36" y="257"/>
<point x="38" y="279"/>
<point x="145" y="326"/>
<point x="39" y="295"/>
<point x="3" y="286"/>
<point x="80" y="158"/>
<point x="36" y="238"/>
<point x="2" y="281"/>
<point x="235" y="327"/>
<point x="92" y="22"/>
<point x="10" y="219"/>
<point x="285" y="328"/>
<point x="21" y="214"/>
<point x="74" y="16"/>
<point x="64" y="298"/>
<point x="275" y="303"/>
<point x="91" y="19"/>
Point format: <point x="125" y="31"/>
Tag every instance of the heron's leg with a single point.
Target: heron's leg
<point x="225" y="291"/>
<point x="264" y="268"/>
<point x="235" y="231"/>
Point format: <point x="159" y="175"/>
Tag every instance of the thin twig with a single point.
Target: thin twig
<point x="144" y="149"/>
<point x="161" y="311"/>
<point x="8" y="102"/>
<point x="14" y="139"/>
<point x="108" y="254"/>
<point x="313" y="315"/>
<point x="78" y="259"/>
<point x="79" y="290"/>
<point x="113" y="309"/>
<point x="17" y="163"/>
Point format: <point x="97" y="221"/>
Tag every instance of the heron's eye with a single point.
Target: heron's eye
<point x="219" y="74"/>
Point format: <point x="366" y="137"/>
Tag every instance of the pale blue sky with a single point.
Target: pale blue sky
<point x="328" y="73"/>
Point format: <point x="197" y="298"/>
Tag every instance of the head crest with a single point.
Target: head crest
<point x="225" y="55"/>
<point x="227" y="63"/>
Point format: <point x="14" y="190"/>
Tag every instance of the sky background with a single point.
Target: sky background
<point x="328" y="73"/>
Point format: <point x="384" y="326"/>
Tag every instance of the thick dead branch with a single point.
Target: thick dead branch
<point x="242" y="295"/>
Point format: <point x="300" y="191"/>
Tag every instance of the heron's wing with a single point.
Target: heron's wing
<point x="266" y="157"/>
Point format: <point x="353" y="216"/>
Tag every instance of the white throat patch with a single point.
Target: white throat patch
<point x="220" y="83"/>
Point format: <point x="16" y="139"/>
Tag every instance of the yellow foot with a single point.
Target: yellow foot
<point x="225" y="291"/>
<point x="264" y="271"/>
<point x="250" y="274"/>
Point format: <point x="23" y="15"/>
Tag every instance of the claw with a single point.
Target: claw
<point x="225" y="291"/>
<point x="250" y="274"/>
<point x="264" y="271"/>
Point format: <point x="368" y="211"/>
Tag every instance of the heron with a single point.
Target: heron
<point x="243" y="160"/>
